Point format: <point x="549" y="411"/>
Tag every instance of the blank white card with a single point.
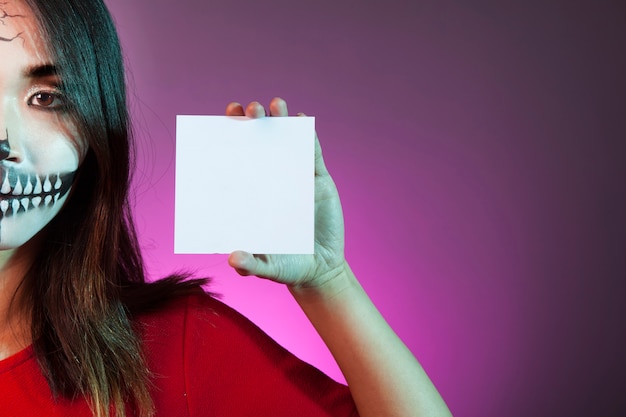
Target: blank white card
<point x="244" y="184"/>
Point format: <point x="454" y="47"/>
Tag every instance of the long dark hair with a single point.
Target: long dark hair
<point x="89" y="279"/>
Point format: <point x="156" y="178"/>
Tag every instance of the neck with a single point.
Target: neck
<point x="14" y="316"/>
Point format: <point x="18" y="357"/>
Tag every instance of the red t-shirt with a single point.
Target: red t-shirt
<point x="207" y="360"/>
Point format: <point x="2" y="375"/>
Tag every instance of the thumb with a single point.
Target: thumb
<point x="247" y="264"/>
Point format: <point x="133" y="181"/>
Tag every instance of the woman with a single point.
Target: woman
<point x="81" y="332"/>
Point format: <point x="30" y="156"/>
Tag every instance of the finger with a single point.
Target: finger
<point x="255" y="110"/>
<point x="320" y="166"/>
<point x="234" y="109"/>
<point x="278" y="107"/>
<point x="247" y="264"/>
<point x="240" y="261"/>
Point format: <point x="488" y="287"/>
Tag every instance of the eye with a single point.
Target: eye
<point x="47" y="100"/>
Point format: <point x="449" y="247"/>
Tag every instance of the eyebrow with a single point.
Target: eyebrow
<point x="40" y="71"/>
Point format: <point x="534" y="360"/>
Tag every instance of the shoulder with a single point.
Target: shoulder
<point x="195" y="306"/>
<point x="196" y="328"/>
<point x="198" y="318"/>
<point x="205" y="355"/>
<point x="208" y="334"/>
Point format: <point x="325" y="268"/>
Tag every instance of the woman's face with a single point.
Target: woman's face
<point x="39" y="147"/>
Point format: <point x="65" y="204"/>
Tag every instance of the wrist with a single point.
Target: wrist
<point x="330" y="285"/>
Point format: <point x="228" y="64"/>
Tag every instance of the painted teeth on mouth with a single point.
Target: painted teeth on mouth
<point x="28" y="189"/>
<point x="37" y="189"/>
<point x="20" y="205"/>
<point x="47" y="185"/>
<point x="31" y="184"/>
<point x="17" y="190"/>
<point x="6" y="187"/>
<point x="20" y="193"/>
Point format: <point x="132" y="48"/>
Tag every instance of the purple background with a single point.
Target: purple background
<point x="479" y="151"/>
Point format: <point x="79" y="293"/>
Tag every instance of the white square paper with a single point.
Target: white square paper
<point x="244" y="184"/>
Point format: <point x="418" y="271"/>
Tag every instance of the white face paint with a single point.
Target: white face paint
<point x="39" y="148"/>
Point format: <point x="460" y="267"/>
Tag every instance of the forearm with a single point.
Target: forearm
<point x="383" y="375"/>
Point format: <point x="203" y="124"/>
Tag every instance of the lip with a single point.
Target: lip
<point x="21" y="192"/>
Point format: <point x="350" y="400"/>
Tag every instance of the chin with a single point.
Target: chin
<point x="20" y="226"/>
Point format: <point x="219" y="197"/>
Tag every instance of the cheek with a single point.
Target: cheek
<point x="55" y="154"/>
<point x="45" y="147"/>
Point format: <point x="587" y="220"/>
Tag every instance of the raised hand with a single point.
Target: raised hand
<point x="384" y="377"/>
<point x="300" y="270"/>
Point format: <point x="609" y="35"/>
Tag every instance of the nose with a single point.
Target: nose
<point x="5" y="148"/>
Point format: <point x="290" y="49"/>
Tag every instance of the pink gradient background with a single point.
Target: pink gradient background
<point x="479" y="152"/>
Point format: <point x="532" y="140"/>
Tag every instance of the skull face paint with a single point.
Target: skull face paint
<point x="39" y="147"/>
